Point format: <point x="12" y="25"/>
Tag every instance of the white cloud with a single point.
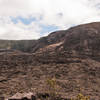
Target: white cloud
<point x="61" y="13"/>
<point x="9" y="30"/>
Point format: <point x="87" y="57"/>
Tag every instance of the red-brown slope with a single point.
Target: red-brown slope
<point x="72" y="56"/>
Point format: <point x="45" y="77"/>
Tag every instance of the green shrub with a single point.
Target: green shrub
<point x="53" y="88"/>
<point x="81" y="97"/>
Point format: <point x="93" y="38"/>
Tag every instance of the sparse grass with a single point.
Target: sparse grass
<point x="53" y="88"/>
<point x="81" y="97"/>
<point x="54" y="93"/>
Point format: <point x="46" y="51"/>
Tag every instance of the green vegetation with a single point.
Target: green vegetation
<point x="81" y="97"/>
<point x="22" y="45"/>
<point x="53" y="90"/>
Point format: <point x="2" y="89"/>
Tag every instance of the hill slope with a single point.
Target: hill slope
<point x="71" y="56"/>
<point x="21" y="45"/>
<point x="82" y="39"/>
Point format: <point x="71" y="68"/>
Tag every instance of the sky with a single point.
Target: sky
<point x="32" y="19"/>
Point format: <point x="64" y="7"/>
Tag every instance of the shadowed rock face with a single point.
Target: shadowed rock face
<point x="71" y="56"/>
<point x="82" y="39"/>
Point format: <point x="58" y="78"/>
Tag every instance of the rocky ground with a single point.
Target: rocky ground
<point x="73" y="76"/>
<point x="72" y="57"/>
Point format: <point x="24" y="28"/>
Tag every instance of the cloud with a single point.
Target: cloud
<point x="58" y="13"/>
<point x="9" y="30"/>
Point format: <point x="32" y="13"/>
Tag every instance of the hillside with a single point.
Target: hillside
<point x="21" y="45"/>
<point x="71" y="56"/>
<point x="82" y="38"/>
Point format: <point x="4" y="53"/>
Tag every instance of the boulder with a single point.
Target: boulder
<point x="23" y="96"/>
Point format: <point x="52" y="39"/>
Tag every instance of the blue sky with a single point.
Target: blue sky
<point x="29" y="20"/>
<point x="26" y="21"/>
<point x="32" y="19"/>
<point x="48" y="29"/>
